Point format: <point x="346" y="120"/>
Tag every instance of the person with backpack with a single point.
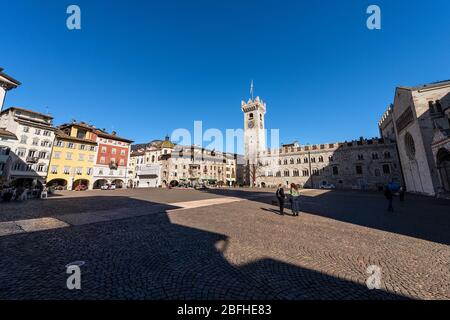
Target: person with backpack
<point x="295" y="199"/>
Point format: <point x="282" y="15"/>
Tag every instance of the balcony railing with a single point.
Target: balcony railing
<point x="113" y="165"/>
<point x="32" y="159"/>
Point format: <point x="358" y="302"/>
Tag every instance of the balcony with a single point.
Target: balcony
<point x="32" y="159"/>
<point x="113" y="165"/>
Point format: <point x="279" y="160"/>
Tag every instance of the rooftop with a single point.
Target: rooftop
<point x="10" y="82"/>
<point x="112" y="136"/>
<point x="427" y="86"/>
<point x="6" y="133"/>
<point x="62" y="135"/>
<point x="46" y="116"/>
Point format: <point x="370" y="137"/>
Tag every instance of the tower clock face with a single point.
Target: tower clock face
<point x="251" y="124"/>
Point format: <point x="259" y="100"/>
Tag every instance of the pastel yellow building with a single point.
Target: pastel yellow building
<point x="73" y="157"/>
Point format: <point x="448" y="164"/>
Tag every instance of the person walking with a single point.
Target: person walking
<point x="389" y="196"/>
<point x="295" y="199"/>
<point x="280" y="196"/>
<point x="401" y="194"/>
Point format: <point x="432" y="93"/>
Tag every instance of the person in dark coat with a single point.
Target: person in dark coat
<point x="401" y="194"/>
<point x="281" y="196"/>
<point x="389" y="197"/>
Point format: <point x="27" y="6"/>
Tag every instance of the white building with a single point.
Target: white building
<point x="162" y="163"/>
<point x="7" y="142"/>
<point x="32" y="151"/>
<point x="420" y="118"/>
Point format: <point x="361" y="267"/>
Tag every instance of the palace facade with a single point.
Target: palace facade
<point x="358" y="164"/>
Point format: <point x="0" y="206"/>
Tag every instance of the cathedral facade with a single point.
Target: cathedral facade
<point x="367" y="164"/>
<point x="419" y="120"/>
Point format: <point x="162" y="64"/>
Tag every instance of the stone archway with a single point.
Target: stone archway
<point x="100" y="183"/>
<point x="119" y="183"/>
<point x="80" y="185"/>
<point x="443" y="166"/>
<point x="57" y="184"/>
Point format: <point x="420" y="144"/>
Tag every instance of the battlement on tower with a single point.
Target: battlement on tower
<point x="251" y="105"/>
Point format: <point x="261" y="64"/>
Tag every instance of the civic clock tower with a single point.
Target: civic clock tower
<point x="254" y="134"/>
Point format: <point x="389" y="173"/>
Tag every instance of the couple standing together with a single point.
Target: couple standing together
<point x="294" y="198"/>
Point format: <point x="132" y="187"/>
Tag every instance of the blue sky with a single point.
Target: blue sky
<point x="145" y="68"/>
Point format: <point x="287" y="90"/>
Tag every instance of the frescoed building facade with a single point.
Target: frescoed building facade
<point x="112" y="160"/>
<point x="73" y="157"/>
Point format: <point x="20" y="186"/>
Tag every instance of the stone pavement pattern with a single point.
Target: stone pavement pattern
<point x="150" y="248"/>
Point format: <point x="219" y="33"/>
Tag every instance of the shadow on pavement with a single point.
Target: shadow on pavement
<point x="148" y="257"/>
<point x="419" y="217"/>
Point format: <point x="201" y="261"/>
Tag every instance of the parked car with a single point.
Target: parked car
<point x="108" y="187"/>
<point x="327" y="186"/>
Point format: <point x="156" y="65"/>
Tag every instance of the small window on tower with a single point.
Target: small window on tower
<point x="250" y="116"/>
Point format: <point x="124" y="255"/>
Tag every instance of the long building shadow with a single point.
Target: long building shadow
<point x="420" y="217"/>
<point x="149" y="257"/>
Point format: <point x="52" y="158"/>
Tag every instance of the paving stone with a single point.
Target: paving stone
<point x="137" y="247"/>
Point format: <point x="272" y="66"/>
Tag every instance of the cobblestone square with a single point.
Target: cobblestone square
<point x="224" y="244"/>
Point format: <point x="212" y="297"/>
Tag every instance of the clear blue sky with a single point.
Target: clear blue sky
<point x="146" y="68"/>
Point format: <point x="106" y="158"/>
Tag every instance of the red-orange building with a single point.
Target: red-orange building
<point x="113" y="154"/>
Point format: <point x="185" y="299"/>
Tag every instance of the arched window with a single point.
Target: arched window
<point x="291" y="161"/>
<point x="305" y="160"/>
<point x="313" y="160"/>
<point x="330" y="158"/>
<point x="320" y="159"/>
<point x="286" y="173"/>
<point x="278" y="174"/>
<point x="335" y="170"/>
<point x="410" y="146"/>
<point x="285" y="161"/>
<point x="279" y="162"/>
<point x="299" y="160"/>
<point x="250" y="116"/>
<point x="305" y="172"/>
<point x="387" y="155"/>
<point x="296" y="173"/>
